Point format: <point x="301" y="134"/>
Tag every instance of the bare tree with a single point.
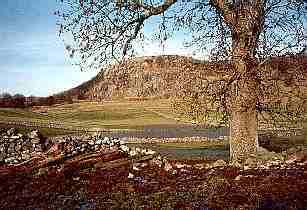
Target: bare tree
<point x="243" y="34"/>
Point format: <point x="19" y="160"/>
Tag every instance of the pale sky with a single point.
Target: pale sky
<point x="32" y="55"/>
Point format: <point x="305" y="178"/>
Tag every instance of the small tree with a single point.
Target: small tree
<point x="6" y="100"/>
<point x="19" y="101"/>
<point x="3" y="98"/>
<point x="244" y="34"/>
<point x="50" y="100"/>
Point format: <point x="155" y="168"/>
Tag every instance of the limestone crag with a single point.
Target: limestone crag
<point x="152" y="76"/>
<point x="163" y="76"/>
<point x="141" y="77"/>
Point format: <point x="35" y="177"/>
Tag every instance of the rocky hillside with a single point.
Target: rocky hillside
<point x="158" y="76"/>
<point x="154" y="76"/>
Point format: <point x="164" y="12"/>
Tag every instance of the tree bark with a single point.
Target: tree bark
<point x="243" y="124"/>
<point x="245" y="21"/>
<point x="243" y="133"/>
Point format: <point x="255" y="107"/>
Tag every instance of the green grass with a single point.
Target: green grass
<point x="196" y="145"/>
<point x="110" y="115"/>
<point x="107" y="115"/>
<point x="19" y="113"/>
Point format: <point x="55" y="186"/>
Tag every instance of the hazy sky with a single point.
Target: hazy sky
<point x="32" y="55"/>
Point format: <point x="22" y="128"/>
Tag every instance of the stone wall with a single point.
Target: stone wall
<point x="16" y="148"/>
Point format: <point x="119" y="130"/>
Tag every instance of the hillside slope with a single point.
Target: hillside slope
<point x="160" y="76"/>
<point x="154" y="76"/>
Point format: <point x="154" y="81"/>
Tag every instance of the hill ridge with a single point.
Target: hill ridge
<point x="158" y="76"/>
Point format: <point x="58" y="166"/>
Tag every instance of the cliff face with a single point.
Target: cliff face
<point x="140" y="77"/>
<point x="157" y="76"/>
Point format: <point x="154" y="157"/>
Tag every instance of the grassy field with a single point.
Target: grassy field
<point x="109" y="115"/>
<point x="198" y="145"/>
<point x="93" y="115"/>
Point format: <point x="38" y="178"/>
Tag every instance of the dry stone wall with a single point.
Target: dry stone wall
<point x="16" y="148"/>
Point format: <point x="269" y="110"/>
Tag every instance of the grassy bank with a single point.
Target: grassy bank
<point x="107" y="115"/>
<point x="196" y="145"/>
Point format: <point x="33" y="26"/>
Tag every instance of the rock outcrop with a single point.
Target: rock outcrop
<point x="152" y="76"/>
<point x="161" y="76"/>
<point x="140" y="77"/>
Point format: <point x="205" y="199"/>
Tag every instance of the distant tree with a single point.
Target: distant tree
<point x="244" y="34"/>
<point x="2" y="99"/>
<point x="18" y="101"/>
<point x="36" y="101"/>
<point x="1" y="102"/>
<point x="42" y="101"/>
<point x="50" y="100"/>
<point x="5" y="100"/>
<point x="5" y="95"/>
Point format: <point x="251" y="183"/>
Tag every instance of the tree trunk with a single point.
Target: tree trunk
<point x="245" y="20"/>
<point x="243" y="124"/>
<point x="243" y="134"/>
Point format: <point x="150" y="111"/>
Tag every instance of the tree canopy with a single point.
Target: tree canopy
<point x="106" y="30"/>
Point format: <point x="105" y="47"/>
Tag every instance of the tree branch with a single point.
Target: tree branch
<point x="225" y="9"/>
<point x="156" y="10"/>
